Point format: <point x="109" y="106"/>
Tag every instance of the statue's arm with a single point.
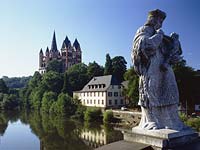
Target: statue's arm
<point x="175" y="56"/>
<point x="151" y="43"/>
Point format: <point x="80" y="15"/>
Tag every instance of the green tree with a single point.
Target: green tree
<point x="108" y="65"/>
<point x="36" y="98"/>
<point x="16" y="82"/>
<point x="188" y="84"/>
<point x="119" y="67"/>
<point x="94" y="69"/>
<point x="131" y="92"/>
<point x="35" y="80"/>
<point x="66" y="85"/>
<point x="54" y="65"/>
<point x="3" y="87"/>
<point x="10" y="102"/>
<point x="92" y="114"/>
<point x="65" y="105"/>
<point x="77" y="77"/>
<point x="47" y="101"/>
<point x="52" y="81"/>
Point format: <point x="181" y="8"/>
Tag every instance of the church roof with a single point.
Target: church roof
<point x="76" y="44"/>
<point x="53" y="44"/>
<point x="66" y="42"/>
<point x="63" y="45"/>
<point x="41" y="52"/>
<point x="47" y="50"/>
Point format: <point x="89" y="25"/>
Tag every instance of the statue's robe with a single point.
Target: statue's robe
<point x="156" y="87"/>
<point x="158" y="92"/>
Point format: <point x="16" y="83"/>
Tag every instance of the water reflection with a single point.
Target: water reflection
<point x="98" y="135"/>
<point x="56" y="133"/>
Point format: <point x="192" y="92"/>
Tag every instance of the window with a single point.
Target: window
<point x="115" y="101"/>
<point x="96" y="86"/>
<point x="87" y="93"/>
<point x="102" y="93"/>
<point x="89" y="86"/>
<point x="104" y="85"/>
<point x="99" y="85"/>
<point x="94" y="94"/>
<point x="94" y="101"/>
<point x="98" y="93"/>
<point x="87" y="101"/>
<point x="64" y="53"/>
<point x="110" y="102"/>
<point x="110" y="94"/>
<point x="102" y="102"/>
<point x="115" y="94"/>
<point x="119" y="86"/>
<point x="90" y="93"/>
<point x="121" y="101"/>
<point x="112" y="86"/>
<point x="98" y="101"/>
<point x="83" y="94"/>
<point x="90" y="101"/>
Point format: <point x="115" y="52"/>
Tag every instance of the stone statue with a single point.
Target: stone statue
<point x="153" y="55"/>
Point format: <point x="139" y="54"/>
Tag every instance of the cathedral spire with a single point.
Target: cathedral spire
<point x="67" y="41"/>
<point x="41" y="52"/>
<point x="53" y="44"/>
<point x="76" y="44"/>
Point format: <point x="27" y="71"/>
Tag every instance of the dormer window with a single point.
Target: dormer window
<point x="104" y="85"/>
<point x="89" y="86"/>
<point x="96" y="86"/>
<point x="99" y="85"/>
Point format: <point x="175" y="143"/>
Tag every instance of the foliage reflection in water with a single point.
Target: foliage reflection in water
<point x="53" y="132"/>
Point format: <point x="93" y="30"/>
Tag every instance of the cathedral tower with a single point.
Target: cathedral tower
<point x="68" y="55"/>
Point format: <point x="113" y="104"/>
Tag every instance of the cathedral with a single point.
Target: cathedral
<point x="68" y="55"/>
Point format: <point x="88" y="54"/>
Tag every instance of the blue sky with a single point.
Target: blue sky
<point x="101" y="26"/>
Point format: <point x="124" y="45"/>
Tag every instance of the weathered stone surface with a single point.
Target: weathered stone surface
<point x="128" y="118"/>
<point x="163" y="138"/>
<point x="153" y="54"/>
<point x="163" y="133"/>
<point x="123" y="145"/>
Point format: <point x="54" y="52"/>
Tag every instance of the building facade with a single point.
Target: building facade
<point x="68" y="55"/>
<point x="103" y="91"/>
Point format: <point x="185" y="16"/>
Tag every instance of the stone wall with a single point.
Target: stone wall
<point x="128" y="118"/>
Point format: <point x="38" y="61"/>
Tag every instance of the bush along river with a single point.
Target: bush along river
<point x="23" y="130"/>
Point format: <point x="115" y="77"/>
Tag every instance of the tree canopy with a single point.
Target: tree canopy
<point x="108" y="65"/>
<point x="119" y="67"/>
<point x="77" y="77"/>
<point x="94" y="69"/>
<point x="3" y="87"/>
<point x="55" y="65"/>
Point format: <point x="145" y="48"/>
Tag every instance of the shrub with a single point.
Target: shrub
<point x="108" y="116"/>
<point x="65" y="105"/>
<point x="194" y="123"/>
<point x="183" y="117"/>
<point x="79" y="114"/>
<point x="92" y="114"/>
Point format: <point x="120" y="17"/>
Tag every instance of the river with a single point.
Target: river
<point x="35" y="131"/>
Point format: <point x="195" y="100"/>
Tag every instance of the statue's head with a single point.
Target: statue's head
<point x="156" y="18"/>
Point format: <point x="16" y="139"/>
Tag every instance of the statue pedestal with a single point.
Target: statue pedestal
<point x="162" y="138"/>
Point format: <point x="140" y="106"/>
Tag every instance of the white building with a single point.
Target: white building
<point x="102" y="91"/>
